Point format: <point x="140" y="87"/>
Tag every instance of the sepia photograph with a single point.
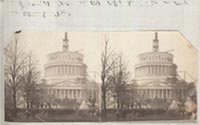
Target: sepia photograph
<point x="99" y="76"/>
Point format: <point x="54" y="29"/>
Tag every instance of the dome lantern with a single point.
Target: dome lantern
<point x="156" y="43"/>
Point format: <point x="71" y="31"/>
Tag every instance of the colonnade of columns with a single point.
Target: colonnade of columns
<point x="159" y="93"/>
<point x="65" y="70"/>
<point x="66" y="93"/>
<point x="154" y="70"/>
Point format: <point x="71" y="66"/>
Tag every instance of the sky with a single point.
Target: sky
<point x="129" y="43"/>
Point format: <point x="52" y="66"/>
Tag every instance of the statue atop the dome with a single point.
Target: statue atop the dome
<point x="65" y="43"/>
<point x="156" y="43"/>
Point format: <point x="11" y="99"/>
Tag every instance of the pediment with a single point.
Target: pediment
<point x="156" y="84"/>
<point x="66" y="83"/>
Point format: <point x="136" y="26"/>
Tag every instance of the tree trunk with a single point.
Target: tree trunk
<point x="14" y="104"/>
<point x="104" y="110"/>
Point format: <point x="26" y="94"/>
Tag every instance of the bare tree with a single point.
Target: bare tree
<point x="14" y="61"/>
<point x="120" y="78"/>
<point x="31" y="77"/>
<point x="107" y="63"/>
<point x="21" y="75"/>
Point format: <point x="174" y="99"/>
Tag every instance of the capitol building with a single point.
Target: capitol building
<point x="66" y="76"/>
<point x="156" y="76"/>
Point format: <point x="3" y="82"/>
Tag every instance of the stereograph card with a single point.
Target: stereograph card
<point x="100" y="61"/>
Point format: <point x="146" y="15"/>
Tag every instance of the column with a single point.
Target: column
<point x="164" y="92"/>
<point x="72" y="70"/>
<point x="64" y="70"/>
<point x="151" y="93"/>
<point x="74" y="67"/>
<point x="146" y="93"/>
<point x="170" y="93"/>
<point x="148" y="70"/>
<point x="168" y="70"/>
<point x="59" y="93"/>
<point x="167" y="93"/>
<point x="80" y="94"/>
<point x="159" y="70"/>
<point x="68" y="94"/>
<point x="52" y="68"/>
<point x="49" y="71"/>
<point x="72" y="93"/>
<point x="152" y="70"/>
<point x="65" y="93"/>
<point x="67" y="70"/>
<point x="59" y="70"/>
<point x="78" y="70"/>
<point x="76" y="93"/>
<point x="156" y="70"/>
<point x="56" y="93"/>
<point x="55" y="70"/>
<point x="160" y="94"/>
<point x="163" y="70"/>
<point x="156" y="91"/>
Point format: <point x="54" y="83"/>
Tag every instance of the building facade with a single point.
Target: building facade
<point x="156" y="76"/>
<point x="66" y="76"/>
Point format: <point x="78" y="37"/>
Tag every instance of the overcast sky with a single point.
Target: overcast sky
<point x="130" y="44"/>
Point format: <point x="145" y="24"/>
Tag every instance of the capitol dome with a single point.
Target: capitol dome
<point x="66" y="76"/>
<point x="154" y="75"/>
<point x="155" y="65"/>
<point x="64" y="65"/>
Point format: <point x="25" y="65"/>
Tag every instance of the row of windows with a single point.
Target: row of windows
<point x="65" y="70"/>
<point x="155" y="70"/>
<point x="67" y="57"/>
<point x="160" y="93"/>
<point x="65" y="93"/>
<point x="75" y="93"/>
<point x="143" y="58"/>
